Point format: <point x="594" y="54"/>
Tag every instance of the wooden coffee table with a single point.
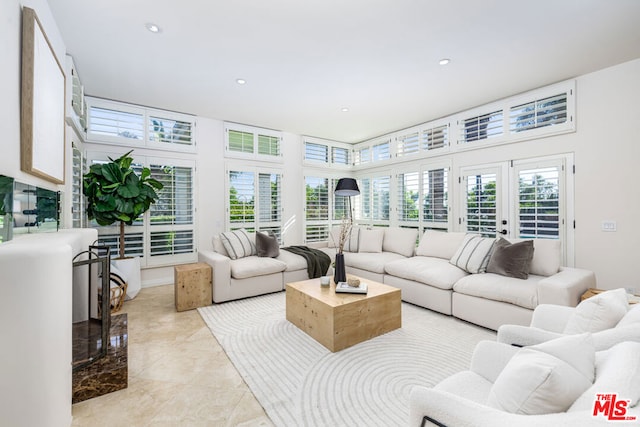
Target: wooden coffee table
<point x="338" y="321"/>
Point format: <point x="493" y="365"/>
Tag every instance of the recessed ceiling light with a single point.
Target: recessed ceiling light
<point x="344" y="109"/>
<point x="444" y="61"/>
<point x="152" y="27"/>
<point x="241" y="81"/>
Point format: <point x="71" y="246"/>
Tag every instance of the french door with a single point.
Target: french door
<point x="520" y="199"/>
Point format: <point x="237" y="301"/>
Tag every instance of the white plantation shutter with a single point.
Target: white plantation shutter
<point x="539" y="203"/>
<point x="539" y="113"/>
<point x="435" y="207"/>
<point x="169" y="131"/>
<point x="408" y="143"/>
<point x="339" y="156"/>
<point x="380" y="198"/>
<point x="363" y="156"/>
<point x="363" y="203"/>
<point x="115" y="124"/>
<point x="270" y="203"/>
<point x="133" y="242"/>
<point x="238" y="141"/>
<point x="268" y="145"/>
<point x="436" y="137"/>
<point x="241" y="199"/>
<point x="316" y="209"/>
<point x="481" y="204"/>
<point x="481" y="127"/>
<point x="171" y="217"/>
<point x="381" y="151"/>
<point x="77" y="204"/>
<point x="316" y="152"/>
<point x="409" y="197"/>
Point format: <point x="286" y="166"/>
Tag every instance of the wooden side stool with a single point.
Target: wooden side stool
<point x="192" y="285"/>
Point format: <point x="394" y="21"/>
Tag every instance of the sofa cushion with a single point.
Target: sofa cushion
<point x="350" y="245"/>
<point x="467" y="385"/>
<point x="267" y="245"/>
<point x="545" y="378"/>
<point x="473" y="254"/>
<point x="617" y="370"/>
<point x="253" y="266"/>
<point x="373" y="262"/>
<point x="294" y="262"/>
<point x="440" y="244"/>
<point x="501" y="288"/>
<point x="371" y="240"/>
<point x="238" y="243"/>
<point x="511" y="259"/>
<point x="632" y="317"/>
<point x="600" y="312"/>
<point x="400" y="240"/>
<point x="436" y="272"/>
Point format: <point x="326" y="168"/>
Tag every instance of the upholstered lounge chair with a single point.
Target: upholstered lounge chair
<point x="607" y="316"/>
<point x="463" y="399"/>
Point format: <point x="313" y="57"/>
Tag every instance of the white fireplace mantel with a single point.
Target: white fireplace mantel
<point x="36" y="280"/>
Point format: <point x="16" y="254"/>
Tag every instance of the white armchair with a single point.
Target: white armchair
<point x="550" y="321"/>
<point x="462" y="399"/>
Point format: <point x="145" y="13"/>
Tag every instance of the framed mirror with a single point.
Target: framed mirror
<point x="42" y="124"/>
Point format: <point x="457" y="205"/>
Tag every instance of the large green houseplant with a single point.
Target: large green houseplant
<point x="115" y="193"/>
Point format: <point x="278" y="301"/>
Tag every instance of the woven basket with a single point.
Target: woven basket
<point x="118" y="292"/>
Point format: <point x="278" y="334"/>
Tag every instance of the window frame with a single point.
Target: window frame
<point x="146" y="113"/>
<point x="255" y="153"/>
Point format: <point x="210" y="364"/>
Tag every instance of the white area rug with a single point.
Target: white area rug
<point x="301" y="383"/>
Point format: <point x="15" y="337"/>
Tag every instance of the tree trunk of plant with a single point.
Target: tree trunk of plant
<point x="121" y="245"/>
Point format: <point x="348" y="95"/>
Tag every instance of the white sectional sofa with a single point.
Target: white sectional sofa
<point x="252" y="275"/>
<point x="425" y="274"/>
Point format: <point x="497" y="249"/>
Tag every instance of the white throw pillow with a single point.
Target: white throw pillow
<point x="400" y="240"/>
<point x="631" y="318"/>
<point x="238" y="243"/>
<point x="371" y="240"/>
<point x="598" y="313"/>
<point x="351" y="244"/>
<point x="439" y="244"/>
<point x="473" y="254"/>
<point x="218" y="246"/>
<point x="616" y="371"/>
<point x="545" y="378"/>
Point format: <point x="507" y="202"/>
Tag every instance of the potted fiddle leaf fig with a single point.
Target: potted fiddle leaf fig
<point x="115" y="193"/>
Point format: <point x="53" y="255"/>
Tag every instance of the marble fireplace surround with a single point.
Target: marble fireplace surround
<point x="36" y="290"/>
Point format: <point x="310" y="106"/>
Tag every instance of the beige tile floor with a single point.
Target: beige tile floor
<point x="178" y="374"/>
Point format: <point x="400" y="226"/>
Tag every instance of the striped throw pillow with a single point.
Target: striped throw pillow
<point x="473" y="254"/>
<point x="238" y="243"/>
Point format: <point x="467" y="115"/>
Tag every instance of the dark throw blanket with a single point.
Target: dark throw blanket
<point x="317" y="261"/>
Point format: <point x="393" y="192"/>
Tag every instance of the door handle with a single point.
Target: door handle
<point x="503" y="232"/>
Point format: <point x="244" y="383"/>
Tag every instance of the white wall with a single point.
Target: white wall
<point x="10" y="34"/>
<point x="605" y="145"/>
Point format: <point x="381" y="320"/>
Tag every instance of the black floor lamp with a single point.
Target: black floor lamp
<point x="346" y="187"/>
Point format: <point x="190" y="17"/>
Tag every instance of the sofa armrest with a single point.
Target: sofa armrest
<point x="551" y="317"/>
<point x="524" y="335"/>
<point x="490" y="357"/>
<point x="221" y="277"/>
<point x="451" y="410"/>
<point x="566" y="286"/>
<point x="606" y="339"/>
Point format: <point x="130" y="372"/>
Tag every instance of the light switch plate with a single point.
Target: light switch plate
<point x="609" y="226"/>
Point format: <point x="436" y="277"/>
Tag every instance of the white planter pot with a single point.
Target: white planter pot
<point x="130" y="269"/>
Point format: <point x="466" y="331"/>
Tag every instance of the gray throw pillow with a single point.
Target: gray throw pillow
<point x="511" y="260"/>
<point x="267" y="245"/>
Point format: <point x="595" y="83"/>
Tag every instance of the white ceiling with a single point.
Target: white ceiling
<point x="304" y="60"/>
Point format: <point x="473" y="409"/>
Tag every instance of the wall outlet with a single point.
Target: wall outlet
<point x="609" y="226"/>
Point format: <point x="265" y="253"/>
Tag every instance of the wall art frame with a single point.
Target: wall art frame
<point x="42" y="115"/>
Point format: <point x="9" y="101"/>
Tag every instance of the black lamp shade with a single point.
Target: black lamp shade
<point x="347" y="187"/>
